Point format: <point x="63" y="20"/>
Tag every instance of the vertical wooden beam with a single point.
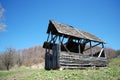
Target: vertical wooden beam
<point x="91" y="49"/>
<point x="59" y="51"/>
<point x="79" y="48"/>
<point x="47" y="41"/>
<point x="59" y="44"/>
<point x="53" y="55"/>
<point x="47" y="57"/>
<point x="51" y="37"/>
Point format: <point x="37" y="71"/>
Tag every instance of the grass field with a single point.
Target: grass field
<point x="111" y="73"/>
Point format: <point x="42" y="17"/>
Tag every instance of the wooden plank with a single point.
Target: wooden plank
<point x="79" y="67"/>
<point x="75" y="64"/>
<point x="82" y="61"/>
<point x="73" y="59"/>
<point x="85" y="64"/>
<point x="100" y="52"/>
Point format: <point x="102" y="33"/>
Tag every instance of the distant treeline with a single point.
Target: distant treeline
<point x="27" y="57"/>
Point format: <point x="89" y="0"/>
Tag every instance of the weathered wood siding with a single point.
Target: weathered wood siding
<point x="76" y="60"/>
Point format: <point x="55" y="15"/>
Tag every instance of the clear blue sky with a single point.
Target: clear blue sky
<point x="27" y="20"/>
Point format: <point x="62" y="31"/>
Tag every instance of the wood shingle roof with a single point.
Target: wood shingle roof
<point x="68" y="31"/>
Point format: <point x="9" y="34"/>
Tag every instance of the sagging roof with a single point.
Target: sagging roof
<point x="62" y="29"/>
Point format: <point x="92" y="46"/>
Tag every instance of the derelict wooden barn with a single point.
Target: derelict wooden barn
<point x="68" y="47"/>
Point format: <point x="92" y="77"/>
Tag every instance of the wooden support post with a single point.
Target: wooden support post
<point x="59" y="44"/>
<point x="59" y="51"/>
<point x="53" y="55"/>
<point x="91" y="49"/>
<point x="52" y="37"/>
<point x="79" y="48"/>
<point x="47" y="41"/>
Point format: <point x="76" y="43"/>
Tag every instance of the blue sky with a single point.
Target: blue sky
<point x="27" y="20"/>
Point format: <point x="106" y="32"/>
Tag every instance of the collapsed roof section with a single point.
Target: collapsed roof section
<point x="68" y="31"/>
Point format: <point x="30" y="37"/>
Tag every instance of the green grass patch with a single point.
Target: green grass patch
<point x="4" y="73"/>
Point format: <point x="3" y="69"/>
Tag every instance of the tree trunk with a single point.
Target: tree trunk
<point x="7" y="66"/>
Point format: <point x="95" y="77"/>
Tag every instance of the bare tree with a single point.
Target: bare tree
<point x="8" y="58"/>
<point x="19" y="59"/>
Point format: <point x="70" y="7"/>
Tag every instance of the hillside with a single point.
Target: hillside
<point x="24" y="73"/>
